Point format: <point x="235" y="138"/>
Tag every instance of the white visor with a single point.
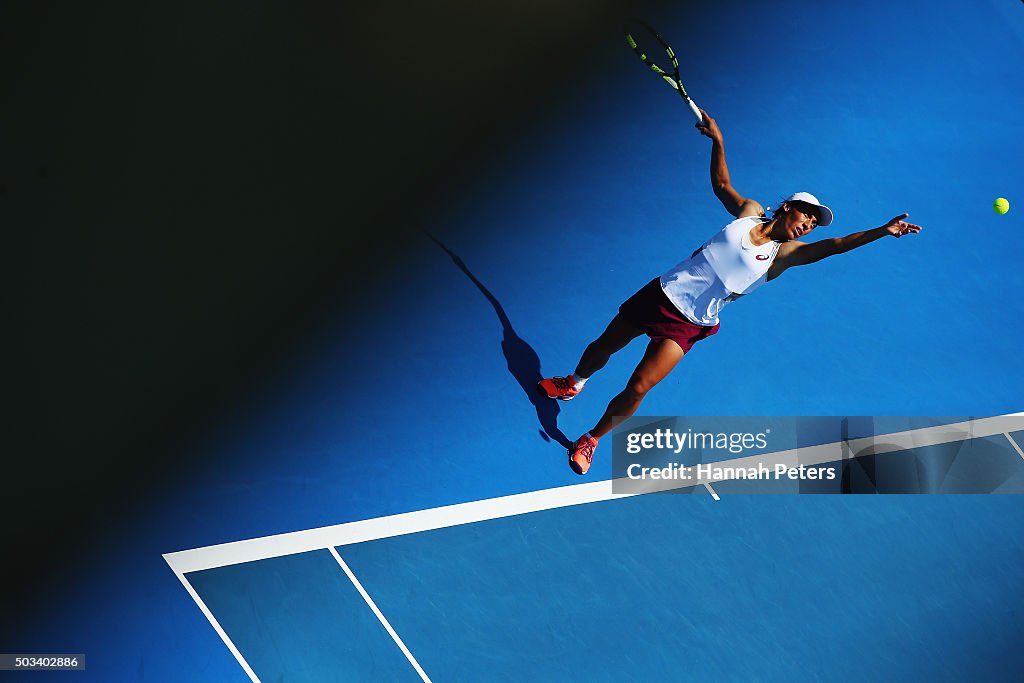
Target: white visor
<point x="825" y="214"/>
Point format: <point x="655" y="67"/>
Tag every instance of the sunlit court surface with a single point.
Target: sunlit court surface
<point x="387" y="497"/>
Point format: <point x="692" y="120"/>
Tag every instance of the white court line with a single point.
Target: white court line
<point x="393" y="525"/>
<point x="1014" y="444"/>
<point x="250" y="550"/>
<point x="216" y="627"/>
<point x="712" y="491"/>
<point x="380" y="615"/>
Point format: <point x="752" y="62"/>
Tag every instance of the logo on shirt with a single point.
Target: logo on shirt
<point x="762" y="257"/>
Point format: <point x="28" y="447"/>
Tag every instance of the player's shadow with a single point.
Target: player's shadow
<point x="520" y="358"/>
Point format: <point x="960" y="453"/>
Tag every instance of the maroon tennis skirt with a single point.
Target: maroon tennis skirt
<point x="651" y="311"/>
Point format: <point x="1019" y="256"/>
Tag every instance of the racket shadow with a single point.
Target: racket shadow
<point x="520" y="358"/>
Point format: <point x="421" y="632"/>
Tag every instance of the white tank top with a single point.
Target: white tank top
<point x="724" y="269"/>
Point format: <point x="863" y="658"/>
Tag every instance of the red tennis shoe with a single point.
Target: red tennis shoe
<point x="582" y="453"/>
<point x="558" y="387"/>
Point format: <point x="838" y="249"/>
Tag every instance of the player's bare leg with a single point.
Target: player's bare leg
<point x="618" y="333"/>
<point x="659" y="359"/>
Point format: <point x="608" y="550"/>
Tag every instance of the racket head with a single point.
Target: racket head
<point x="645" y="42"/>
<point x="643" y="38"/>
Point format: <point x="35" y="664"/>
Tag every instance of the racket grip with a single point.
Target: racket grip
<point x="695" y="110"/>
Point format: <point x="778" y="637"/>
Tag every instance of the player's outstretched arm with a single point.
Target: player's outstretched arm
<point x="796" y="253"/>
<point x="733" y="201"/>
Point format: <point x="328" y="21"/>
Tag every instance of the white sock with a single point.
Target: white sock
<point x="577" y="381"/>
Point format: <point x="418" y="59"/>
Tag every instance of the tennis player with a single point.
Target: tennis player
<point x="681" y="307"/>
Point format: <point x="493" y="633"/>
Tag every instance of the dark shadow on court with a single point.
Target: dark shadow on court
<point x="961" y="464"/>
<point x="522" y="361"/>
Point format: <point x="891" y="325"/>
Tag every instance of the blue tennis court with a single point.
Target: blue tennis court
<point x="391" y="499"/>
<point x="581" y="583"/>
<point x="875" y="107"/>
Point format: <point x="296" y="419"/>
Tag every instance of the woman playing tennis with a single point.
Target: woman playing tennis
<point x="681" y="307"/>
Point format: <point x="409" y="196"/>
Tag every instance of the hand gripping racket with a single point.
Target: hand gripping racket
<point x="671" y="78"/>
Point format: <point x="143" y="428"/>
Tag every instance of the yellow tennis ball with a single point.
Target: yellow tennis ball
<point x="1001" y="205"/>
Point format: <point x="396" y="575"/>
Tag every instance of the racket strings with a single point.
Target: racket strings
<point x="672" y="77"/>
<point x="646" y="58"/>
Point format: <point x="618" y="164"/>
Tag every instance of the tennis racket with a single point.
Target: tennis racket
<point x="634" y="28"/>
